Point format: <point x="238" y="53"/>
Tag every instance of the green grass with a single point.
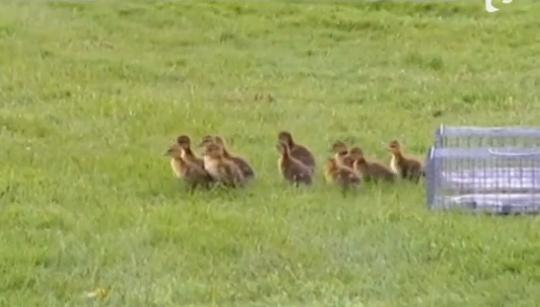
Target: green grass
<point x="92" y="93"/>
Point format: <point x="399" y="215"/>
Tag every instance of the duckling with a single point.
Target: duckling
<point x="244" y="166"/>
<point x="369" y="170"/>
<point x="207" y="139"/>
<point x="221" y="169"/>
<point x="185" y="143"/>
<point x="339" y="147"/>
<point x="343" y="176"/>
<point x="340" y="151"/>
<point x="342" y="155"/>
<point x="299" y="152"/>
<point x="292" y="169"/>
<point x="188" y="170"/>
<point x="404" y="166"/>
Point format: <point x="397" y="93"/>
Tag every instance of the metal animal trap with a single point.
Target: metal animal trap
<point x="495" y="170"/>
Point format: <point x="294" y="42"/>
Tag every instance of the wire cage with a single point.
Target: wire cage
<point x="494" y="170"/>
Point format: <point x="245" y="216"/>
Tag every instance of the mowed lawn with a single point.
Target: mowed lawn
<point x="93" y="92"/>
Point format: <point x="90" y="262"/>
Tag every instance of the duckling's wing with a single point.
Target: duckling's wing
<point x="230" y="173"/>
<point x="378" y="169"/>
<point x="194" y="171"/>
<point x="302" y="177"/>
<point x="200" y="162"/>
<point x="244" y="166"/>
<point x="385" y="173"/>
<point x="350" y="176"/>
<point x="304" y="155"/>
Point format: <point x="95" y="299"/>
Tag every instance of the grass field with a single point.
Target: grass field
<point x="93" y="92"/>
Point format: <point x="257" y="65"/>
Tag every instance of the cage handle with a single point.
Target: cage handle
<point x="513" y="154"/>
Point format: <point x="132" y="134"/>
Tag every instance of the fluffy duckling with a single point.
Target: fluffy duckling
<point x="183" y="147"/>
<point x="244" y="166"/>
<point x="342" y="155"/>
<point x="343" y="176"/>
<point x="221" y="169"/>
<point x="206" y="140"/>
<point x="369" y="170"/>
<point x="339" y="147"/>
<point x="292" y="169"/>
<point x="299" y="152"/>
<point x="185" y="143"/>
<point x="404" y="166"/>
<point x="341" y="152"/>
<point x="188" y="170"/>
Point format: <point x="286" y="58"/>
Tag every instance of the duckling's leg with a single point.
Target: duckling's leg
<point x="344" y="191"/>
<point x="348" y="189"/>
<point x="295" y="181"/>
<point x="190" y="188"/>
<point x="417" y="174"/>
<point x="227" y="184"/>
<point x="411" y="177"/>
<point x="238" y="183"/>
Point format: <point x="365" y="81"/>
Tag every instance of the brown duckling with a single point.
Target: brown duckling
<point x="244" y="166"/>
<point x="183" y="147"/>
<point x="404" y="166"/>
<point x="369" y="170"/>
<point x="206" y="140"/>
<point x="185" y="143"/>
<point x="292" y="169"/>
<point x="221" y="169"/>
<point x="343" y="176"/>
<point x="341" y="151"/>
<point x="339" y="147"/>
<point x="299" y="152"/>
<point x="191" y="172"/>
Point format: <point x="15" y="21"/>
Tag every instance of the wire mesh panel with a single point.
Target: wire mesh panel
<point x="492" y="137"/>
<point x="485" y="170"/>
